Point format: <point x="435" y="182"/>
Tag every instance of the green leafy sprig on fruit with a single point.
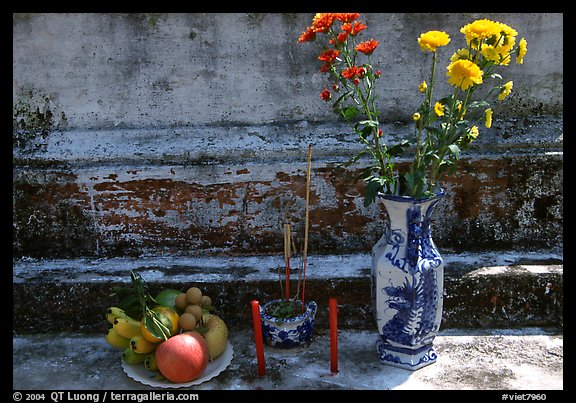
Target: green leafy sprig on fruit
<point x="137" y="304"/>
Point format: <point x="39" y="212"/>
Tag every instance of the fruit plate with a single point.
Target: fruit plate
<point x="141" y="374"/>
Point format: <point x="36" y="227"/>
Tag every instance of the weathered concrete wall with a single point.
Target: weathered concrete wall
<point x="188" y="133"/>
<point x="94" y="71"/>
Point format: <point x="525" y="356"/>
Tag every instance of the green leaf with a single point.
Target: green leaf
<point x="131" y="305"/>
<point x="446" y="100"/>
<point x="373" y="186"/>
<point x="462" y="124"/>
<point x="454" y="150"/>
<point x="350" y="112"/>
<point x="154" y="323"/>
<point x="354" y="159"/>
<point x="416" y="181"/>
<point x="365" y="132"/>
<point x="341" y="98"/>
<point x="371" y="123"/>
<point x="201" y="329"/>
<point x="436" y="131"/>
<point x="478" y="104"/>
<point x="398" y="149"/>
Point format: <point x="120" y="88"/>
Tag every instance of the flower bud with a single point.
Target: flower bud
<point x="326" y="95"/>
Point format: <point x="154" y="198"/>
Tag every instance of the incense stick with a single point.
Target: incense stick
<point x="306" y="226"/>
<point x="287" y="258"/>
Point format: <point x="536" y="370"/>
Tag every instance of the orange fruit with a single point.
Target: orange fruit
<point x="168" y="317"/>
<point x="172" y="316"/>
<point x="147" y="335"/>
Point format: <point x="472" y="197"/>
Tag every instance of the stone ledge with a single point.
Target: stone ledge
<point x="282" y="142"/>
<point x="470" y="360"/>
<point x="490" y="289"/>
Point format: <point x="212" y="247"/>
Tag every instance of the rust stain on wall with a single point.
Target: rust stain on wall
<point x="489" y="203"/>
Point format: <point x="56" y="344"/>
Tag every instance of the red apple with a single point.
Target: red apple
<point x="183" y="357"/>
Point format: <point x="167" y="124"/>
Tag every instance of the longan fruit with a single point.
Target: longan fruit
<point x="181" y="302"/>
<point x="195" y="310"/>
<point x="205" y="300"/>
<point x="193" y="295"/>
<point x="187" y="321"/>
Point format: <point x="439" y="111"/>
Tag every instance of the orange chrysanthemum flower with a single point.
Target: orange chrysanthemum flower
<point x="367" y="47"/>
<point x="322" y="22"/>
<point x="347" y="17"/>
<point x="354" y="28"/>
<point x="341" y="38"/>
<point x="349" y="73"/>
<point x="353" y="72"/>
<point x="307" y="36"/>
<point x="329" y="56"/>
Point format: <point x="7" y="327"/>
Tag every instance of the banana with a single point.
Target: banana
<point x="140" y="345"/>
<point x="127" y="327"/>
<point x="217" y="335"/>
<point x="115" y="340"/>
<point x="150" y="362"/>
<point x="131" y="357"/>
<point x="114" y="312"/>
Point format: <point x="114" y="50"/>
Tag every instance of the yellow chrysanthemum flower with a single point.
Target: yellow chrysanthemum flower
<point x="464" y="74"/>
<point x="431" y="40"/>
<point x="488" y="118"/>
<point x="508" y="32"/>
<point x="422" y="87"/>
<point x="439" y="109"/>
<point x="463" y="53"/>
<point x="498" y="54"/>
<point x="522" y="49"/>
<point x="416" y="117"/>
<point x="505" y="91"/>
<point x="459" y="109"/>
<point x="480" y="30"/>
<point x="473" y="133"/>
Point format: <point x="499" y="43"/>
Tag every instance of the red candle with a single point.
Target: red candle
<point x="333" y="335"/>
<point x="258" y="337"/>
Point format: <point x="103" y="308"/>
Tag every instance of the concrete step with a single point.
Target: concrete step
<point x="499" y="360"/>
<point x="496" y="289"/>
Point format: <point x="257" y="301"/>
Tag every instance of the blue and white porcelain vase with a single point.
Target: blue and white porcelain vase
<point x="407" y="283"/>
<point x="288" y="332"/>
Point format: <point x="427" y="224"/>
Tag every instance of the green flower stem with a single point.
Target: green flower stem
<point x="429" y="92"/>
<point x="424" y="121"/>
<point x="446" y="139"/>
<point x="362" y="95"/>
